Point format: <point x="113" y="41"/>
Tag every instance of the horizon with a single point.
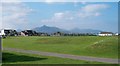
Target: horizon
<point x="65" y="15"/>
<point x="58" y="28"/>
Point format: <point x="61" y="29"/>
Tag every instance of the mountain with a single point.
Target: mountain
<point x="19" y="30"/>
<point x="47" y="29"/>
<point x="77" y="30"/>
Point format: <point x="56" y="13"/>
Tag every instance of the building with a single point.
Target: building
<point x="2" y="32"/>
<point x="8" y="32"/>
<point x="28" y="33"/>
<point x="105" y="34"/>
<point x="58" y="34"/>
<point x="116" y="34"/>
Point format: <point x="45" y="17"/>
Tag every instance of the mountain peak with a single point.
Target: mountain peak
<point x="44" y="26"/>
<point x="49" y="29"/>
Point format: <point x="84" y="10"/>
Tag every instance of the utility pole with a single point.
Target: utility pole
<point x="0" y="50"/>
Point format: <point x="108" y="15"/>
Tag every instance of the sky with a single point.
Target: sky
<point x="65" y="15"/>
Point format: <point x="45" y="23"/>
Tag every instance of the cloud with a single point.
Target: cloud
<point x="76" y="3"/>
<point x="94" y="7"/>
<point x="49" y="1"/>
<point x="56" y="17"/>
<point x="14" y="14"/>
<point x="8" y="1"/>
<point x="88" y="11"/>
<point x="92" y="10"/>
<point x="0" y="16"/>
<point x="60" y="17"/>
<point x="76" y="18"/>
<point x="53" y="1"/>
<point x="83" y="2"/>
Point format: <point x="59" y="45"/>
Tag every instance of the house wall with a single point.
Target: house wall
<point x="105" y="34"/>
<point x="116" y="34"/>
<point x="22" y="34"/>
<point x="2" y="32"/>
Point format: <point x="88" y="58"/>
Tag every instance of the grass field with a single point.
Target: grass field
<point x="19" y="58"/>
<point x="82" y="45"/>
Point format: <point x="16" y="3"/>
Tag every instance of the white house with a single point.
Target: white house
<point x="116" y="34"/>
<point x="105" y="34"/>
<point x="2" y="32"/>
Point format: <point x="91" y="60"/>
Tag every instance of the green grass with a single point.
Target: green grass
<point x="82" y="45"/>
<point x="18" y="58"/>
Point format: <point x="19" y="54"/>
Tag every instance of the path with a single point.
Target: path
<point x="87" y="58"/>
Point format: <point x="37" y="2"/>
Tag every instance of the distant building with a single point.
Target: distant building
<point x="28" y="33"/>
<point x="116" y="34"/>
<point x="57" y="34"/>
<point x="105" y="34"/>
<point x="22" y="33"/>
<point x="2" y="32"/>
<point x="8" y="32"/>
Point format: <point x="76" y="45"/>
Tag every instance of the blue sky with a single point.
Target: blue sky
<point x="65" y="15"/>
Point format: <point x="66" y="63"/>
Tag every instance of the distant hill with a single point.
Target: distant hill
<point x="47" y="29"/>
<point x="77" y="30"/>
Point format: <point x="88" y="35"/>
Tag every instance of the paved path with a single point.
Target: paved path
<point x="106" y="60"/>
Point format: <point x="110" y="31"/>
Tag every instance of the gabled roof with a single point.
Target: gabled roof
<point x="106" y="33"/>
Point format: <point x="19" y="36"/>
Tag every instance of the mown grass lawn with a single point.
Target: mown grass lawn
<point x="82" y="45"/>
<point x="20" y="58"/>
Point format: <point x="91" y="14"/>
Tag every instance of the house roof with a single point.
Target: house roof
<point x="106" y="33"/>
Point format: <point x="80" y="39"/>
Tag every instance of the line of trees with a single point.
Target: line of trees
<point x="74" y="34"/>
<point x="34" y="33"/>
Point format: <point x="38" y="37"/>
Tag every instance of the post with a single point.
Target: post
<point x="0" y="50"/>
